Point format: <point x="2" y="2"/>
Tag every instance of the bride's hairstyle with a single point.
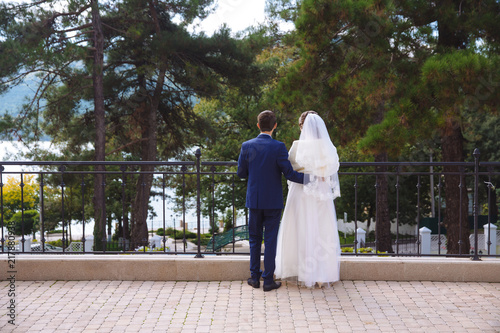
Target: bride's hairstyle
<point x="303" y="116"/>
<point x="315" y="153"/>
<point x="266" y="120"/>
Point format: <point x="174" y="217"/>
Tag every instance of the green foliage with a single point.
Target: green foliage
<point x="58" y="243"/>
<point x="457" y="81"/>
<point x="19" y="194"/>
<point x="176" y="234"/>
<point x="156" y="249"/>
<point x="25" y="223"/>
<point x="204" y="239"/>
<point x="154" y="72"/>
<point x="362" y="250"/>
<point x="228" y="220"/>
<point x="113" y="246"/>
<point x="386" y="76"/>
<point x="179" y="234"/>
<point x="170" y="231"/>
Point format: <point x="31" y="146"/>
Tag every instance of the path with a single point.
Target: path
<point x="351" y="306"/>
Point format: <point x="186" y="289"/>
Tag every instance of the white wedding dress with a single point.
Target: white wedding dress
<point x="308" y="248"/>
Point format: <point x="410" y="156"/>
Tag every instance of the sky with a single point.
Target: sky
<point x="237" y="14"/>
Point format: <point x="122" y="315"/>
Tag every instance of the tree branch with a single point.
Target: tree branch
<point x="77" y="13"/>
<point x="127" y="145"/>
<point x="113" y="28"/>
<point x="88" y="25"/>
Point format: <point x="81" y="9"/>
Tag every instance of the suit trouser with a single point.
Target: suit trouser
<point x="267" y="222"/>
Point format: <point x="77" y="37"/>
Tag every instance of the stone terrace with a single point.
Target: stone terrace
<point x="233" y="306"/>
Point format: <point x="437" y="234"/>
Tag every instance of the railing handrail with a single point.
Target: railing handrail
<point x="91" y="163"/>
<point x="466" y="169"/>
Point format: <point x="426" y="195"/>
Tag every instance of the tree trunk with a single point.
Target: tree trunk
<point x="382" y="218"/>
<point x="455" y="217"/>
<point x="139" y="214"/>
<point x="148" y="123"/>
<point x="100" y="123"/>
<point x="148" y="111"/>
<point x="383" y="222"/>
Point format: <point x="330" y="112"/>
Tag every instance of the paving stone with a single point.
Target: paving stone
<point x="232" y="306"/>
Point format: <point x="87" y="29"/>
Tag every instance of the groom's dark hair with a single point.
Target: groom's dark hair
<point x="266" y="120"/>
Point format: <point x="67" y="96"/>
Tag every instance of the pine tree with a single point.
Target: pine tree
<point x="388" y="73"/>
<point x="51" y="40"/>
<point x="153" y="70"/>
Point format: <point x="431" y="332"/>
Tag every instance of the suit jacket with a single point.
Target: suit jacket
<point x="262" y="161"/>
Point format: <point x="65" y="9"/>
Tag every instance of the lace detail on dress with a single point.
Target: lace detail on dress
<point x="322" y="188"/>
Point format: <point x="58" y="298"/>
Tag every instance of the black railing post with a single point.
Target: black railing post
<point x="476" y="202"/>
<point x="356" y="215"/>
<point x="398" y="170"/>
<point x="183" y="208"/>
<point x="144" y="211"/>
<point x="123" y="169"/>
<point x="42" y="215"/>
<point x="62" y="168"/>
<point x="377" y="186"/>
<point x="82" y="184"/>
<point x="461" y="217"/>
<point x="164" y="215"/>
<point x="198" y="199"/>
<point x="1" y="207"/>
<point x="490" y="186"/>
<point x="440" y="185"/>
<point x="103" y="215"/>
<point x="212" y="208"/>
<point x="419" y="241"/>
<point x="234" y="210"/>
<point x="22" y="214"/>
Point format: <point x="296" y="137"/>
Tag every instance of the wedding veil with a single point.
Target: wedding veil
<point x="316" y="156"/>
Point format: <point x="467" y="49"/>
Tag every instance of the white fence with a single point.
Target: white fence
<point x="429" y="244"/>
<point x="30" y="246"/>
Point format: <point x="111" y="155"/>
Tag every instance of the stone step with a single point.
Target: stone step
<point x="236" y="267"/>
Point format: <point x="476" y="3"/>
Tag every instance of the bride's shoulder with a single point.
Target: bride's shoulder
<point x="294" y="145"/>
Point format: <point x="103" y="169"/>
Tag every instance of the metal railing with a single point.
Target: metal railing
<point x="205" y="188"/>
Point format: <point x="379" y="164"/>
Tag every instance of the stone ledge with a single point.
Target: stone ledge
<point x="232" y="268"/>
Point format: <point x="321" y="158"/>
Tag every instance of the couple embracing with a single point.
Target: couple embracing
<point x="305" y="248"/>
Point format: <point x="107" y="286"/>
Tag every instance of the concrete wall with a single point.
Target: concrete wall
<point x="232" y="268"/>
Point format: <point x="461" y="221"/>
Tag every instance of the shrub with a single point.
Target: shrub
<point x="57" y="243"/>
<point x="113" y="246"/>
<point x="179" y="234"/>
<point x="360" y="250"/>
<point x="25" y="222"/>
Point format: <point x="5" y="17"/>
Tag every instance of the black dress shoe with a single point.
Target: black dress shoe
<point x="254" y="283"/>
<point x="272" y="286"/>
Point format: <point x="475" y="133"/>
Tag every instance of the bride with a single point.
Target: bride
<point x="308" y="248"/>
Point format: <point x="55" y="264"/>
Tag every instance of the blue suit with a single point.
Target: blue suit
<point x="262" y="161"/>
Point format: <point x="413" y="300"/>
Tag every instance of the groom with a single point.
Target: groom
<point x="262" y="161"/>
